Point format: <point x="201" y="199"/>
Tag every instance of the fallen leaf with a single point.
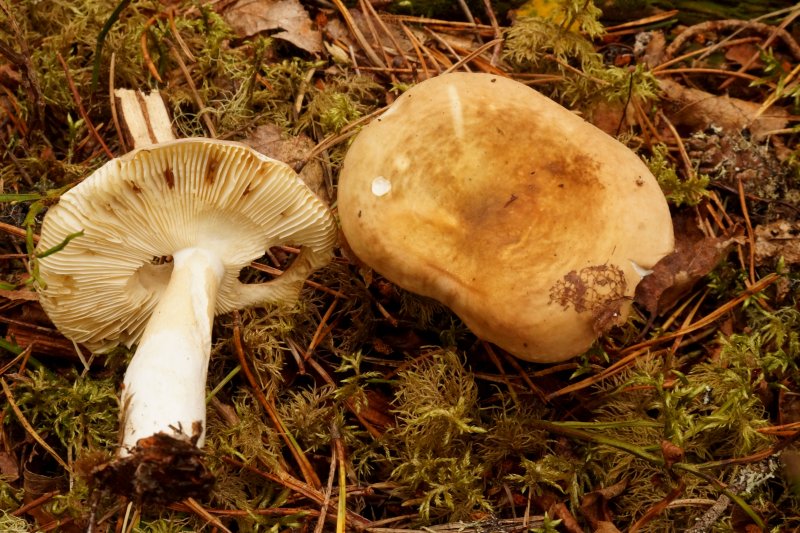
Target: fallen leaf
<point x="568" y="522"/>
<point x="742" y="53"/>
<point x="9" y="469"/>
<point x="606" y="527"/>
<point x="700" y="110"/>
<point x="594" y="505"/>
<point x="23" y="294"/>
<point x="778" y="239"/>
<point x="249" y="17"/>
<point x="695" y="256"/>
<point x="272" y="141"/>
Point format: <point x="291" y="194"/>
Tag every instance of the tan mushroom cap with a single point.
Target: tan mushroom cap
<point x="222" y="196"/>
<point x="531" y="224"/>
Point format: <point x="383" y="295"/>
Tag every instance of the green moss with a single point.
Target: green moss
<point x="561" y="44"/>
<point x="80" y="413"/>
<point x="687" y="191"/>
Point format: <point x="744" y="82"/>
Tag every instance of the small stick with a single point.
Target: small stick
<point x="81" y="110"/>
<point x="391" y="35"/>
<point x="478" y="51"/>
<point x="198" y="509"/>
<point x="112" y="103"/>
<point x="15" y="231"/>
<point x="322" y="330"/>
<point x="751" y="237"/>
<point x="631" y="353"/>
<point x="146" y="53"/>
<point x="498" y="33"/>
<point x="35" y="503"/>
<point x="371" y="28"/>
<point x="323" y="511"/>
<point x="415" y="44"/>
<point x="362" y="41"/>
<point x="305" y="466"/>
<point x="447" y="45"/>
<point x="212" y="132"/>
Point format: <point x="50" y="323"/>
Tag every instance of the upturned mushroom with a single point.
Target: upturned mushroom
<point x="164" y="233"/>
<point x="531" y="224"/>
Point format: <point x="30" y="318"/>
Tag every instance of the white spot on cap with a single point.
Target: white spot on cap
<point x="456" y="112"/>
<point x="381" y="186"/>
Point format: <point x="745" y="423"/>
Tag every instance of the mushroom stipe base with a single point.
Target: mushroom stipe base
<point x="160" y="469"/>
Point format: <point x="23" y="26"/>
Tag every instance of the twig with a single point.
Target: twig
<point x="415" y="44"/>
<point x="282" y="478"/>
<point x="322" y="330"/>
<point x="765" y="45"/>
<point x="390" y="34"/>
<point x="198" y="509"/>
<point x="33" y="504"/>
<point x="365" y="9"/>
<point x="113" y="104"/>
<point x="751" y="237"/>
<point x="302" y="461"/>
<point x="447" y="46"/>
<point x="498" y="33"/>
<point x="734" y="24"/>
<point x="15" y="231"/>
<point x="310" y="283"/>
<point x="323" y="511"/>
<point x="362" y="41"/>
<point x="81" y="110"/>
<point x="478" y="51"/>
<point x="212" y="132"/>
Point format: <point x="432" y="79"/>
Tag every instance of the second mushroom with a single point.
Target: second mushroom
<point x="532" y="225"/>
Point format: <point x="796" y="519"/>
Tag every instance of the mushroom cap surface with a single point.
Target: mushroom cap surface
<point x="531" y="224"/>
<point x="138" y="209"/>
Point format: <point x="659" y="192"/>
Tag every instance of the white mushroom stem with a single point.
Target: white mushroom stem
<point x="164" y="386"/>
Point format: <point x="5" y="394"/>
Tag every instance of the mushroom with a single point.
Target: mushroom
<point x="164" y="232"/>
<point x="532" y="225"/>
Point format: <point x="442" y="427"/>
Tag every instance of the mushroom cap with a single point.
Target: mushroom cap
<point x="138" y="209"/>
<point x="531" y="224"/>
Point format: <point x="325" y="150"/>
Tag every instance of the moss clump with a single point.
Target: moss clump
<point x="712" y="413"/>
<point x="561" y="44"/>
<point x="78" y="412"/>
<point x="687" y="191"/>
<point x="430" y="450"/>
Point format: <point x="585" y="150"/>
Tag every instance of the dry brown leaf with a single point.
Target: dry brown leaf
<point x="695" y="256"/>
<point x="9" y="469"/>
<point x="249" y="17"/>
<point x="700" y="110"/>
<point x="778" y="239"/>
<point x="742" y="53"/>
<point x="271" y="141"/>
<point x="594" y="505"/>
<point x="606" y="527"/>
<point x="23" y="294"/>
